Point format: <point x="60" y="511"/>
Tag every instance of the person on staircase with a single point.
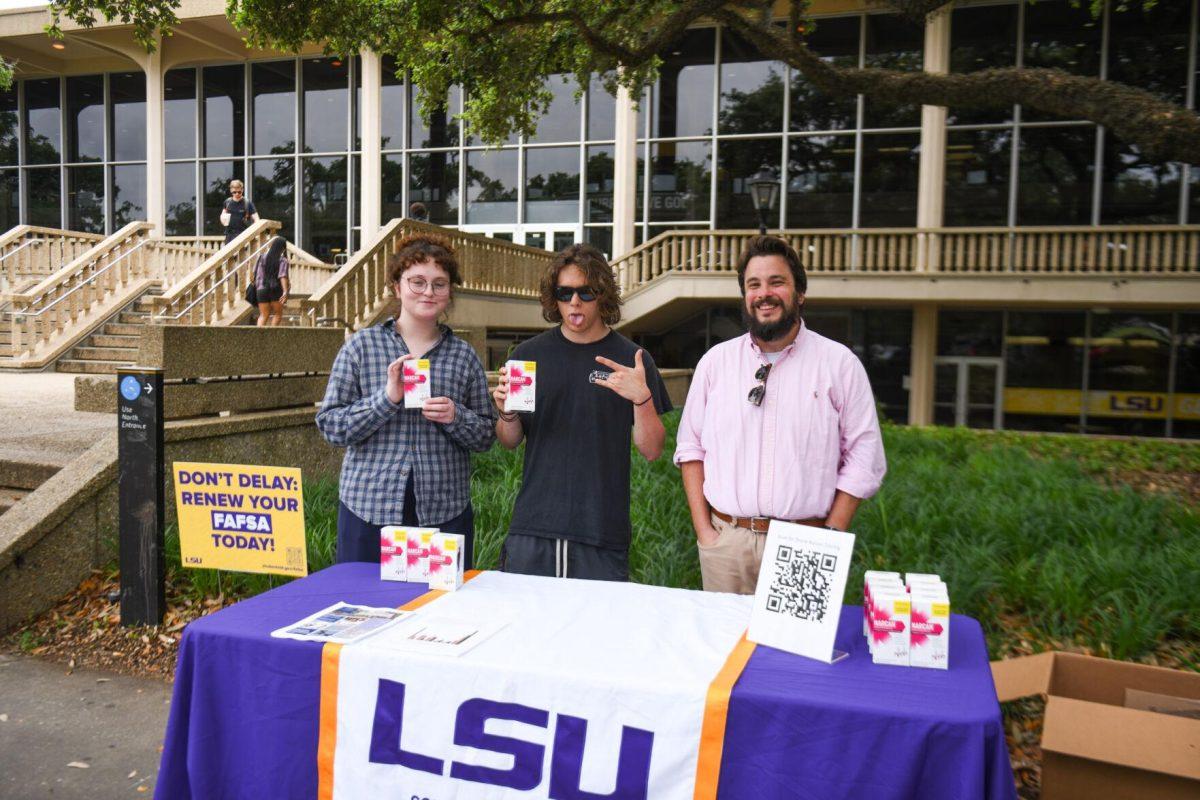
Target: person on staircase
<point x="238" y="211"/>
<point x="272" y="283"/>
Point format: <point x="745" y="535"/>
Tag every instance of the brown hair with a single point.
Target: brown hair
<point x="599" y="278"/>
<point x="418" y="248"/>
<point x="771" y="246"/>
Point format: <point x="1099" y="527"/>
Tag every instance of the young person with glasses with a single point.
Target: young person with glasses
<point x="596" y="391"/>
<point x="407" y="466"/>
<point x="238" y="211"/>
<point x="779" y="424"/>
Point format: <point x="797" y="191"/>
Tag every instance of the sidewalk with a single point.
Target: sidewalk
<point x="50" y="719"/>
<point x="38" y="420"/>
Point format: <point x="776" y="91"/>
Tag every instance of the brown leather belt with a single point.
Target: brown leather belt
<point x="760" y="524"/>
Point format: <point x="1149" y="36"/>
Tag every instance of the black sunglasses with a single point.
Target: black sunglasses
<point x="563" y="294"/>
<point x="758" y="392"/>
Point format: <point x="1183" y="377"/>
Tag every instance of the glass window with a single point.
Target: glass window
<point x="217" y="175"/>
<point x="391" y="120"/>
<point x="275" y="192"/>
<point x="982" y="37"/>
<point x="273" y="86"/>
<point x="738" y="160"/>
<point x="820" y="182"/>
<point x="889" y="180"/>
<point x="127" y="91"/>
<point x="224" y="111"/>
<point x="683" y="92"/>
<point x="492" y="186"/>
<point x="85" y="118"/>
<point x="599" y="183"/>
<point x="42" y="133"/>
<point x="1186" y="403"/>
<point x="44" y="190"/>
<point x="836" y="40"/>
<point x="893" y="43"/>
<point x="180" y="183"/>
<point x="602" y="111"/>
<point x="882" y="338"/>
<point x="433" y="180"/>
<point x="324" y="211"/>
<point x="552" y="184"/>
<point x="751" y="88"/>
<point x="8" y="127"/>
<point x="1149" y="49"/>
<point x="1135" y="190"/>
<point x="391" y="185"/>
<point x="326" y="105"/>
<point x="1054" y="185"/>
<point x="1193" y="217"/>
<point x="1043" y="370"/>
<point x="1061" y="36"/>
<point x="10" y="199"/>
<point x="85" y="199"/>
<point x="599" y="237"/>
<point x="128" y="194"/>
<point x="977" y="177"/>
<point x="969" y="333"/>
<point x="680" y="180"/>
<point x="179" y="113"/>
<point x="442" y="130"/>
<point x="561" y="121"/>
<point x="1130" y="354"/>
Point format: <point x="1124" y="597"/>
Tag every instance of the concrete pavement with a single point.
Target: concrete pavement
<point x="38" y="420"/>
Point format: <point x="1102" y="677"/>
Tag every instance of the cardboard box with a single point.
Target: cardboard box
<point x="522" y="386"/>
<point x="417" y="553"/>
<point x="393" y="555"/>
<point x="446" y="554"/>
<point x="1093" y="745"/>
<point x="418" y="386"/>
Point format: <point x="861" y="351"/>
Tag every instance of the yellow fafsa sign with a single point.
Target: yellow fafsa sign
<point x="240" y="518"/>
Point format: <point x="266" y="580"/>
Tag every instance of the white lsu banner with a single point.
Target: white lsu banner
<point x="590" y="689"/>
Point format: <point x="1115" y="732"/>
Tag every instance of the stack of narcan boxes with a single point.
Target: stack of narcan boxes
<point x="422" y="555"/>
<point x="907" y="622"/>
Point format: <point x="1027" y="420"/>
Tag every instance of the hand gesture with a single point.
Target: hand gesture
<point x="396" y="379"/>
<point x="500" y="393"/>
<point x="439" y="409"/>
<point x="629" y="382"/>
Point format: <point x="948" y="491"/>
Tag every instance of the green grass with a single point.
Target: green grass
<point x="1030" y="542"/>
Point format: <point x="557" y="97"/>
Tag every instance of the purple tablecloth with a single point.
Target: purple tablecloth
<point x="245" y="712"/>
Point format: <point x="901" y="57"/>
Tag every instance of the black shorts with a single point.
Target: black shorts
<point x="554" y="558"/>
<point x="270" y="295"/>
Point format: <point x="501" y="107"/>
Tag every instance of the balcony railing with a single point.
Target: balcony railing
<point x="1124" y="250"/>
<point x="28" y="252"/>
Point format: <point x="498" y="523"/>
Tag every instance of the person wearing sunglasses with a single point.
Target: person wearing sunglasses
<point x="238" y="211"/>
<point x="779" y="424"/>
<point x="596" y="393"/>
<point x="407" y="466"/>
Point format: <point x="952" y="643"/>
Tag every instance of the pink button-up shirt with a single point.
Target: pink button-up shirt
<point x="816" y="431"/>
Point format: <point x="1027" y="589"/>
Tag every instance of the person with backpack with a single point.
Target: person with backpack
<point x="271" y="282"/>
<point x="238" y="211"/>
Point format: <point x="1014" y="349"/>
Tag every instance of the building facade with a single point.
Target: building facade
<point x="100" y="133"/>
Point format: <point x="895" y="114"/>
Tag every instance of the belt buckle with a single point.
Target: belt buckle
<point x="755" y="520"/>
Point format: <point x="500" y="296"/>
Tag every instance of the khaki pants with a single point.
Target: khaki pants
<point x="731" y="563"/>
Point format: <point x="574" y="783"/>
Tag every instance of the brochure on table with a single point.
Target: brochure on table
<point x="343" y="623"/>
<point x="798" y="600"/>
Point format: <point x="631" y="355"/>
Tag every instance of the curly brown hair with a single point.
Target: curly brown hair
<point x="418" y="248"/>
<point x="599" y="278"/>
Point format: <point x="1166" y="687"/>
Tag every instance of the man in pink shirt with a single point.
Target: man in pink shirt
<point x="779" y="424"/>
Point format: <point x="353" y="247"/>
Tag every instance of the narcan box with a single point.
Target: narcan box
<point x="890" y="620"/>
<point x="393" y="558"/>
<point x="417" y="553"/>
<point x="929" y="626"/>
<point x="522" y="386"/>
<point x="447" y="552"/>
<point x="417" y="383"/>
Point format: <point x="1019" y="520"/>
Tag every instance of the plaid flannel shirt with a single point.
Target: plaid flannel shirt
<point x="386" y="442"/>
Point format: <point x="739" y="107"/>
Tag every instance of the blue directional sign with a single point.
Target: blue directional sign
<point x="131" y="387"/>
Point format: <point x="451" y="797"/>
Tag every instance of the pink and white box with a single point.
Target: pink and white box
<point x="418" y="382"/>
<point x="874" y="584"/>
<point x="890" y="620"/>
<point x="446" y="556"/>
<point x="393" y="543"/>
<point x="416" y="550"/>
<point x="522" y="386"/>
<point x="930" y="630"/>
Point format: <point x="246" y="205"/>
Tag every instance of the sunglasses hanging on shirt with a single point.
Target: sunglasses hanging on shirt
<point x="758" y="392"/>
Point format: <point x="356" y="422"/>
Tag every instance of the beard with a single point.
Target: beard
<point x="770" y="331"/>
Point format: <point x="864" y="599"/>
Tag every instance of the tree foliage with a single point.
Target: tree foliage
<point x="502" y="52"/>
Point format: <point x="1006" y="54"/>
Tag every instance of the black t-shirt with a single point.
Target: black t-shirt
<point x="238" y="211"/>
<point x="576" y="478"/>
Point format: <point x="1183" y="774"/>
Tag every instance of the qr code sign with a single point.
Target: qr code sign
<point x="802" y="584"/>
<point x="295" y="557"/>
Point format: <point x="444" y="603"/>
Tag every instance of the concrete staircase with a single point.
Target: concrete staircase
<point x="114" y="344"/>
<point x="19" y="478"/>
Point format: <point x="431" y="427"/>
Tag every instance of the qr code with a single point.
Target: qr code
<point x="802" y="584"/>
<point x="294" y="556"/>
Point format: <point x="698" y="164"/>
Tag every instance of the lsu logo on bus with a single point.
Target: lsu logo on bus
<point x="1148" y="403"/>
<point x="528" y="758"/>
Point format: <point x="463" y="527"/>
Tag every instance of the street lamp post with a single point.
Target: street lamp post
<point x="764" y="190"/>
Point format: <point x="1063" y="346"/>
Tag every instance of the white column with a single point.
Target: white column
<point x="932" y="176"/>
<point x="922" y="370"/>
<point x="624" y="175"/>
<point x="156" y="214"/>
<point x="370" y="118"/>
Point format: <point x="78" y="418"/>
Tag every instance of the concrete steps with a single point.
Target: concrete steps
<point x="93" y="367"/>
<point x="18" y="478"/>
<point x="114" y="344"/>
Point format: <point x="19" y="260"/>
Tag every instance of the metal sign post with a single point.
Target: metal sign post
<point x="140" y="486"/>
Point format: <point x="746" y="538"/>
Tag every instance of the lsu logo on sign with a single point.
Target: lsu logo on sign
<point x="528" y="758"/>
